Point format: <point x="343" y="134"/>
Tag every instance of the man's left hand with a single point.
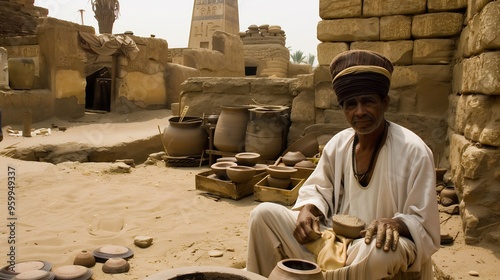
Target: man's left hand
<point x="387" y="233"/>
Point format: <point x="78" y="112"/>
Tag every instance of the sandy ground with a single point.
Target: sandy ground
<point x="64" y="208"/>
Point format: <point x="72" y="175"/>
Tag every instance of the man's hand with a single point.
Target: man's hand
<point x="387" y="233"/>
<point x="307" y="228"/>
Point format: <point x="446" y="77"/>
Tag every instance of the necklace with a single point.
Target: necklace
<point x="362" y="176"/>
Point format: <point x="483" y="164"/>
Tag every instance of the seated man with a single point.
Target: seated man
<point x="377" y="171"/>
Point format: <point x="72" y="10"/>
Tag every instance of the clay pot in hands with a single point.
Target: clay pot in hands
<point x="240" y="174"/>
<point x="347" y="226"/>
<point x="295" y="269"/>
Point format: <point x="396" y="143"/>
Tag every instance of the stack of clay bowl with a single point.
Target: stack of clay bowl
<point x="245" y="168"/>
<point x="220" y="169"/>
<point x="280" y="176"/>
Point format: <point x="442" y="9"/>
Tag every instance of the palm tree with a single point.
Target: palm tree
<point x="298" y="57"/>
<point x="311" y="58"/>
<point x="106" y="11"/>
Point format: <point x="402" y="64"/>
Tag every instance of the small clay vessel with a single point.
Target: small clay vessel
<point x="247" y="158"/>
<point x="305" y="164"/>
<point x="232" y="159"/>
<point x="281" y="172"/>
<point x="347" y="226"/>
<point x="240" y="174"/>
<point x="84" y="258"/>
<point x="220" y="168"/>
<point x="292" y="158"/>
<point x="278" y="183"/>
<point x="448" y="196"/>
<point x="115" y="266"/>
<point x="291" y="269"/>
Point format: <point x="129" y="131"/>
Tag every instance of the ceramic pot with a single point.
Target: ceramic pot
<point x="240" y="174"/>
<point x="186" y="138"/>
<point x="84" y="258"/>
<point x="440" y="174"/>
<point x="21" y="73"/>
<point x="247" y="158"/>
<point x="231" y="159"/>
<point x="115" y="266"/>
<point x="278" y="183"/>
<point x="292" y="158"/>
<point x="220" y="168"/>
<point x="448" y="196"/>
<point x="281" y="172"/>
<point x="295" y="269"/>
<point x="347" y="226"/>
<point x="265" y="133"/>
<point x="229" y="135"/>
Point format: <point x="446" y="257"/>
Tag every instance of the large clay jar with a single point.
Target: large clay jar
<point x="229" y="135"/>
<point x="295" y="269"/>
<point x="21" y="73"/>
<point x="186" y="138"/>
<point x="265" y="132"/>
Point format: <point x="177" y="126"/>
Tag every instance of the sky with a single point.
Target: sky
<point x="171" y="19"/>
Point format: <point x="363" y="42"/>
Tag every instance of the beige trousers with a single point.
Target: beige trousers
<point x="271" y="240"/>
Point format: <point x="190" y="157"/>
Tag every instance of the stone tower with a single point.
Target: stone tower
<point x="210" y="16"/>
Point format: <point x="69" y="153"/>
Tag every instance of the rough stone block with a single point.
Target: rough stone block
<point x="393" y="7"/>
<point x="475" y="6"/>
<point x="446" y="5"/>
<point x="327" y="51"/>
<point x="324" y="95"/>
<point x="437" y="25"/>
<point x="452" y="110"/>
<point x="4" y="70"/>
<point x="490" y="26"/>
<point x="433" y="51"/>
<point x="458" y="145"/>
<point x="322" y="74"/>
<point x="478" y="162"/>
<point x="394" y="28"/>
<point x="330" y="9"/>
<point x="430" y="83"/>
<point x="303" y="108"/>
<point x="349" y="30"/>
<point x="478" y="118"/>
<point x="481" y="74"/>
<point x="227" y="86"/>
<point x="398" y="52"/>
<point x="463" y="50"/>
<point x="304" y="83"/>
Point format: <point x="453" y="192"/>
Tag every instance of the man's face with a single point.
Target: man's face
<point x="365" y="113"/>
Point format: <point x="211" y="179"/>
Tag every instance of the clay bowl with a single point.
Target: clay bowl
<point x="347" y="226"/>
<point x="260" y="168"/>
<point x="115" y="266"/>
<point x="219" y="168"/>
<point x="305" y="164"/>
<point x="291" y="158"/>
<point x="278" y="183"/>
<point x="281" y="172"/>
<point x="240" y="174"/>
<point x="84" y="258"/>
<point x="35" y="275"/>
<point x="247" y="158"/>
<point x="231" y="159"/>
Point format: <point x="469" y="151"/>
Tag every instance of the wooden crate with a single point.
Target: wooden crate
<point x="206" y="181"/>
<point x="263" y="192"/>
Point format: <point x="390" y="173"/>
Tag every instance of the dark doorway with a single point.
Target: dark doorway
<point x="250" y="71"/>
<point x="98" y="90"/>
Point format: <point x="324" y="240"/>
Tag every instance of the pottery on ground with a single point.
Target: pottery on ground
<point x="292" y="158"/>
<point x="260" y="168"/>
<point x="240" y="174"/>
<point x="229" y="134"/>
<point x="233" y="159"/>
<point x="281" y="172"/>
<point x="247" y="158"/>
<point x="84" y="258"/>
<point x="72" y="272"/>
<point x="448" y="196"/>
<point x="266" y="131"/>
<point x="305" y="164"/>
<point x="115" y="266"/>
<point x="347" y="226"/>
<point x="220" y="168"/>
<point x="186" y="138"/>
<point x="440" y="174"/>
<point x="34" y="275"/>
<point x="291" y="269"/>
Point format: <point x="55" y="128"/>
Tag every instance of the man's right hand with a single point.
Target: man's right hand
<point x="307" y="228"/>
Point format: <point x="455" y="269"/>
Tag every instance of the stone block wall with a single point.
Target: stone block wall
<point x="419" y="37"/>
<point x="474" y="126"/>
